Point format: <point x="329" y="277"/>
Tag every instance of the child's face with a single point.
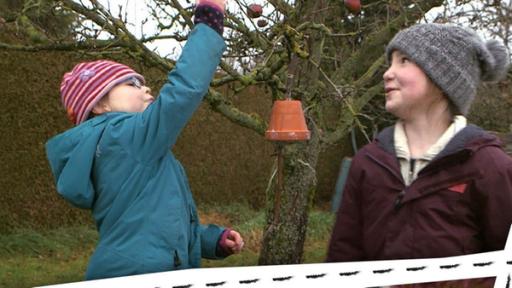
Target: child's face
<point x="408" y="89"/>
<point x="130" y="96"/>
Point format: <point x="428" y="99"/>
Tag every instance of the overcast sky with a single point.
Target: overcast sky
<point x="137" y="11"/>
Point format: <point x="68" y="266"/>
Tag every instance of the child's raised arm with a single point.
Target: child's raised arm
<point x="151" y="134"/>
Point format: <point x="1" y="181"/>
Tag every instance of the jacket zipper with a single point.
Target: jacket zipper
<point x="398" y="200"/>
<point x="400" y="196"/>
<point x="399" y="177"/>
<point x="412" y="162"/>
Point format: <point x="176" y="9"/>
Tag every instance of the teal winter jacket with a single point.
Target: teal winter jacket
<point x="120" y="166"/>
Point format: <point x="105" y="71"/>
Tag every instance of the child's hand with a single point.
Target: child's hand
<point x="221" y="4"/>
<point x="232" y="242"/>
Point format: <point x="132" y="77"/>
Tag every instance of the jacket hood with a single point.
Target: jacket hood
<point x="470" y="138"/>
<point x="71" y="156"/>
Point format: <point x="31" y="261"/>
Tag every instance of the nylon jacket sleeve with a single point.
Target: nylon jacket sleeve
<point x="496" y="190"/>
<point x="150" y="135"/>
<point x="346" y="238"/>
<point x="210" y="235"/>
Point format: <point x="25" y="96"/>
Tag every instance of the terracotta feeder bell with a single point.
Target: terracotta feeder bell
<point x="287" y="122"/>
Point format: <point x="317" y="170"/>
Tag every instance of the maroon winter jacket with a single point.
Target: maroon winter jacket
<point x="460" y="203"/>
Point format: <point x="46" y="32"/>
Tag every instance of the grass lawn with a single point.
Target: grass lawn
<point x="29" y="258"/>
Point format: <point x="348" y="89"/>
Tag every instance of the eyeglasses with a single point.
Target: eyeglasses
<point x="135" y="82"/>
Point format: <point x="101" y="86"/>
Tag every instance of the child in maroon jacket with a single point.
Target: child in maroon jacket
<point x="431" y="185"/>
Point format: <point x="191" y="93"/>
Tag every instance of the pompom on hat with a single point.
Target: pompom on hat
<point x="88" y="82"/>
<point x="456" y="59"/>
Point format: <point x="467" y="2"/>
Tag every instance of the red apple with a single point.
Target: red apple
<point x="254" y="10"/>
<point x="353" y="6"/>
<point x="262" y="23"/>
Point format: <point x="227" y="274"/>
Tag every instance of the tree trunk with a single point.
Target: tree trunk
<point x="289" y="202"/>
<point x="290" y="196"/>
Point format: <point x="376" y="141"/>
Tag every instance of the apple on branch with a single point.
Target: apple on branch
<point x="262" y="23"/>
<point x="254" y="10"/>
<point x="353" y="6"/>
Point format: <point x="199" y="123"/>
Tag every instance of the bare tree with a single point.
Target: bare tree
<point x="493" y="18"/>
<point x="335" y="57"/>
<point x="34" y="22"/>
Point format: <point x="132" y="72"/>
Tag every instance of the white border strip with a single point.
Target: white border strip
<point x="348" y="274"/>
<point x="503" y="277"/>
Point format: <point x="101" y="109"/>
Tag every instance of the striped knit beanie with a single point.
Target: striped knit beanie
<point x="88" y="82"/>
<point x="456" y="59"/>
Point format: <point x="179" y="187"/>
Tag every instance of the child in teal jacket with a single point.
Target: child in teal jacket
<point x="117" y="161"/>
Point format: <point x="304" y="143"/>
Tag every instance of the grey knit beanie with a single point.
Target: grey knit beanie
<point x="455" y="58"/>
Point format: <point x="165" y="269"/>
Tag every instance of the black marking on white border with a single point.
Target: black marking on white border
<point x="315" y="276"/>
<point x="416" y="268"/>
<point x="343" y="274"/>
<point x="248" y="281"/>
<point x="449" y="266"/>
<point x="215" y="284"/>
<point x="349" y="273"/>
<point x="282" y="278"/>
<point x="483" y="264"/>
<point x="382" y="271"/>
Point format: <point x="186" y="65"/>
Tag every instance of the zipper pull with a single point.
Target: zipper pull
<point x="177" y="261"/>
<point x="412" y="167"/>
<point x="192" y="214"/>
<point x="398" y="201"/>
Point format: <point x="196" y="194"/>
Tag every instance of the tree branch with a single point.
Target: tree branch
<point x="220" y="104"/>
<point x="117" y="28"/>
<point x="86" y="45"/>
<point x="370" y="73"/>
<point x="375" y="43"/>
<point x="347" y="120"/>
<point x="281" y="6"/>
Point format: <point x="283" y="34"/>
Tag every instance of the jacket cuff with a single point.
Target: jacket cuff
<point x="222" y="249"/>
<point x="211" y="3"/>
<point x="210" y="15"/>
<point x="210" y="235"/>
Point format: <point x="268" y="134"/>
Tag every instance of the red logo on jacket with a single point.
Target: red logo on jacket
<point x="459" y="188"/>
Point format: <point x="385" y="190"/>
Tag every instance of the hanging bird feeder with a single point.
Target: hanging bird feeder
<point x="287" y="122"/>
